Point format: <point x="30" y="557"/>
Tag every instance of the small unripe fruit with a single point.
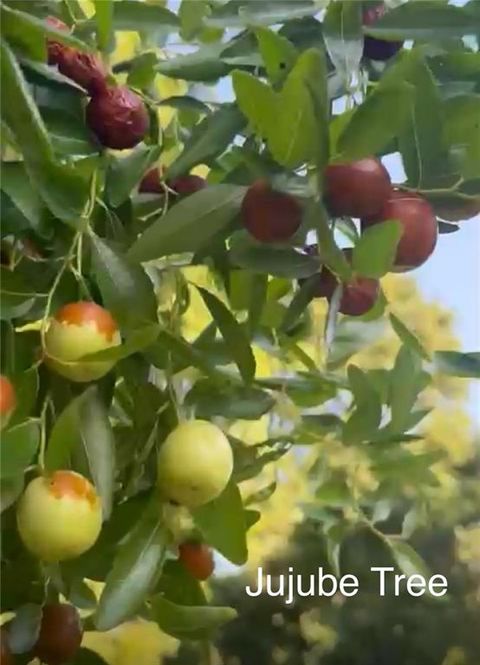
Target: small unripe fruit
<point x="357" y="189"/>
<point x="270" y="216"/>
<point x="419" y="228"/>
<point x="118" y="117"/>
<point x="59" y="516"/>
<point x="60" y="634"/>
<point x="197" y="559"/>
<point x="195" y="463"/>
<point x="54" y="48"/>
<point x="373" y="48"/>
<point x="79" y="329"/>
<point x="6" y="657"/>
<point x="8" y="400"/>
<point x="86" y="69"/>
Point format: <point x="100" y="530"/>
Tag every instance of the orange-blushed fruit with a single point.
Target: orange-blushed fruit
<point x="8" y="400"/>
<point x="60" y="634"/>
<point x="76" y="330"/>
<point x="118" y="117"/>
<point x="268" y="215"/>
<point x="59" y="516"/>
<point x="419" y="227"/>
<point x="356" y="189"/>
<point x="197" y="559"/>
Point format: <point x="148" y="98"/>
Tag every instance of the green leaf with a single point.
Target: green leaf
<point x="406" y="377"/>
<point x="376" y="122"/>
<point x="259" y="12"/>
<point x="202" y="65"/>
<point x="185" y="102"/>
<point x="130" y="15"/>
<point x="26" y="390"/>
<point x="278" y="53"/>
<point x="190" y="224"/>
<point x="423" y="20"/>
<point x="365" y="419"/>
<point x="330" y="253"/>
<point x="299" y="303"/>
<point x="408" y="338"/>
<point x="125" y="172"/>
<point x="17" y="186"/>
<point x="233" y="334"/>
<point x="84" y="426"/>
<point x="466" y="365"/>
<point x="281" y="262"/>
<point x="16" y="295"/>
<point x="191" y="14"/>
<point x="234" y="402"/>
<point x="126" y="289"/>
<point x="136" y="568"/>
<point x="374" y="253"/>
<point x="256" y="100"/>
<point x="64" y="191"/>
<point x="222" y="523"/>
<point x="462" y="133"/>
<point x="187" y="622"/>
<point x="19" y="445"/>
<point x="210" y="138"/>
<point x="103" y="17"/>
<point x="10" y="490"/>
<point x="407" y="559"/>
<point x="342" y="32"/>
<point x="179" y="586"/>
<point x="24" y="628"/>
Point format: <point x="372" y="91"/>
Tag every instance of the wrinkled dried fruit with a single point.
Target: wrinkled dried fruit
<point x="419" y="228"/>
<point x="59" y="516"/>
<point x="373" y="48"/>
<point x="195" y="463"/>
<point x="270" y="216"/>
<point x="197" y="559"/>
<point x="8" y="400"/>
<point x="86" y="69"/>
<point x="79" y="329"/>
<point x="357" y="189"/>
<point x="55" y="49"/>
<point x="60" y="634"/>
<point x="118" y="117"/>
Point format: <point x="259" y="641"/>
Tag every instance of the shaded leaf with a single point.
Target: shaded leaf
<point x="19" y="445"/>
<point x="374" y="253"/>
<point x="407" y="337"/>
<point x="187" y="622"/>
<point x="125" y="172"/>
<point x="458" y="364"/>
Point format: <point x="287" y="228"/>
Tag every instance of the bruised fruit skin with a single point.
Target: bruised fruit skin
<point x="59" y="516"/>
<point x="77" y="330"/>
<point x="6" y="657"/>
<point x="268" y="215"/>
<point x="55" y="49"/>
<point x="197" y="559"/>
<point x="60" y="634"/>
<point x="419" y="228"/>
<point x="86" y="69"/>
<point x="118" y="117"/>
<point x="373" y="48"/>
<point x="195" y="463"/>
<point x="8" y="400"/>
<point x="357" y="189"/>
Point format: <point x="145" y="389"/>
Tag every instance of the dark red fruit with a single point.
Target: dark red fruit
<point x="60" y="634"/>
<point x="358" y="296"/>
<point x="6" y="657"/>
<point x="187" y="184"/>
<point x="357" y="189"/>
<point x="118" y="117"/>
<point x="197" y="559"/>
<point x="151" y="182"/>
<point x="419" y="227"/>
<point x="55" y="49"/>
<point x="373" y="48"/>
<point x="270" y="216"/>
<point x="86" y="69"/>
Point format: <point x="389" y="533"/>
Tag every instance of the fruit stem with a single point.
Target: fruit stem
<point x="43" y="434"/>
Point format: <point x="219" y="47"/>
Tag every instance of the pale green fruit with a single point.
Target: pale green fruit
<point x="195" y="463"/>
<point x="60" y="516"/>
<point x="77" y="330"/>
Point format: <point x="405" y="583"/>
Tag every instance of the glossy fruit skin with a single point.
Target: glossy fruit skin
<point x="270" y="216"/>
<point x="6" y="657"/>
<point x="358" y="296"/>
<point x="76" y="330"/>
<point x="59" y="516"/>
<point x="60" y="634"/>
<point x="118" y="117"/>
<point x="8" y="400"/>
<point x="373" y="48"/>
<point x="197" y="559"/>
<point x="195" y="463"/>
<point x="357" y="189"/>
<point x="55" y="49"/>
<point x="86" y="69"/>
<point x="419" y="224"/>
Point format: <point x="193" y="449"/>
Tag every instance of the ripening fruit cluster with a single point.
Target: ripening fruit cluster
<point x="115" y="114"/>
